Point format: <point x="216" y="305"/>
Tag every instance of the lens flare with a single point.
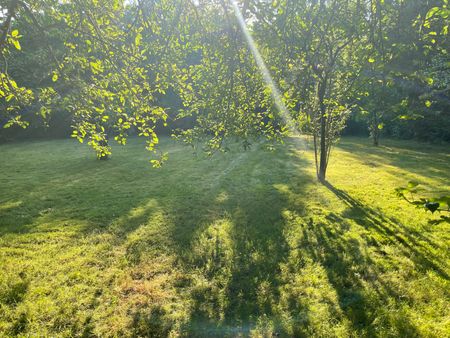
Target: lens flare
<point x="285" y="115"/>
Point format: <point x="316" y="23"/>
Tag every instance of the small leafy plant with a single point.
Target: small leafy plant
<point x="432" y="204"/>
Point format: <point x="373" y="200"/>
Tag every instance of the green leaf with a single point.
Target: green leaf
<point x="16" y="44"/>
<point x="428" y="103"/>
<point x="371" y="60"/>
<point x="137" y="40"/>
<point x="96" y="67"/>
<point x="432" y="12"/>
<point x="55" y="77"/>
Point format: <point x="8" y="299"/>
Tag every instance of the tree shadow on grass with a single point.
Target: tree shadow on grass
<point x="339" y="257"/>
<point x="227" y="236"/>
<point x="229" y="239"/>
<point x="227" y="233"/>
<point x="363" y="297"/>
<point x="235" y="249"/>
<point x="361" y="293"/>
<point x="391" y="230"/>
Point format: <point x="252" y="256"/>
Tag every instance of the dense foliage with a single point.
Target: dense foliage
<point x="105" y="69"/>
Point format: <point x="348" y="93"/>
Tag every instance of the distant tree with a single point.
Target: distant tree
<point x="406" y="85"/>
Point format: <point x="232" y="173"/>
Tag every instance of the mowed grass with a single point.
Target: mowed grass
<point x="240" y="244"/>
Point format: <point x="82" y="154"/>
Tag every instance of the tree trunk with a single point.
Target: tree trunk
<point x="323" y="148"/>
<point x="316" y="162"/>
<point x="323" y="132"/>
<point x="375" y="132"/>
<point x="375" y="135"/>
<point x="375" y="139"/>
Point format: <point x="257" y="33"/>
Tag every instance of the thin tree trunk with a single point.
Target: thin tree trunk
<point x="315" y="153"/>
<point x="323" y="150"/>
<point x="323" y="131"/>
<point x="376" y="137"/>
<point x="375" y="131"/>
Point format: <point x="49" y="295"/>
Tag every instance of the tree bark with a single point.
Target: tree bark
<point x="323" y="132"/>
<point x="375" y="138"/>
<point x="375" y="131"/>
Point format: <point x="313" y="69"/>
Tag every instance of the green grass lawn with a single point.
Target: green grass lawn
<point x="240" y="244"/>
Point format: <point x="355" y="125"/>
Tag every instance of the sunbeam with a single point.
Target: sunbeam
<point x="275" y="92"/>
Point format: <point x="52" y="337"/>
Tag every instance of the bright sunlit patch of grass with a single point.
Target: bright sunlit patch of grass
<point x="241" y="244"/>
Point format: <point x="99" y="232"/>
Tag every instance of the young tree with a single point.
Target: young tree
<point x="318" y="51"/>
